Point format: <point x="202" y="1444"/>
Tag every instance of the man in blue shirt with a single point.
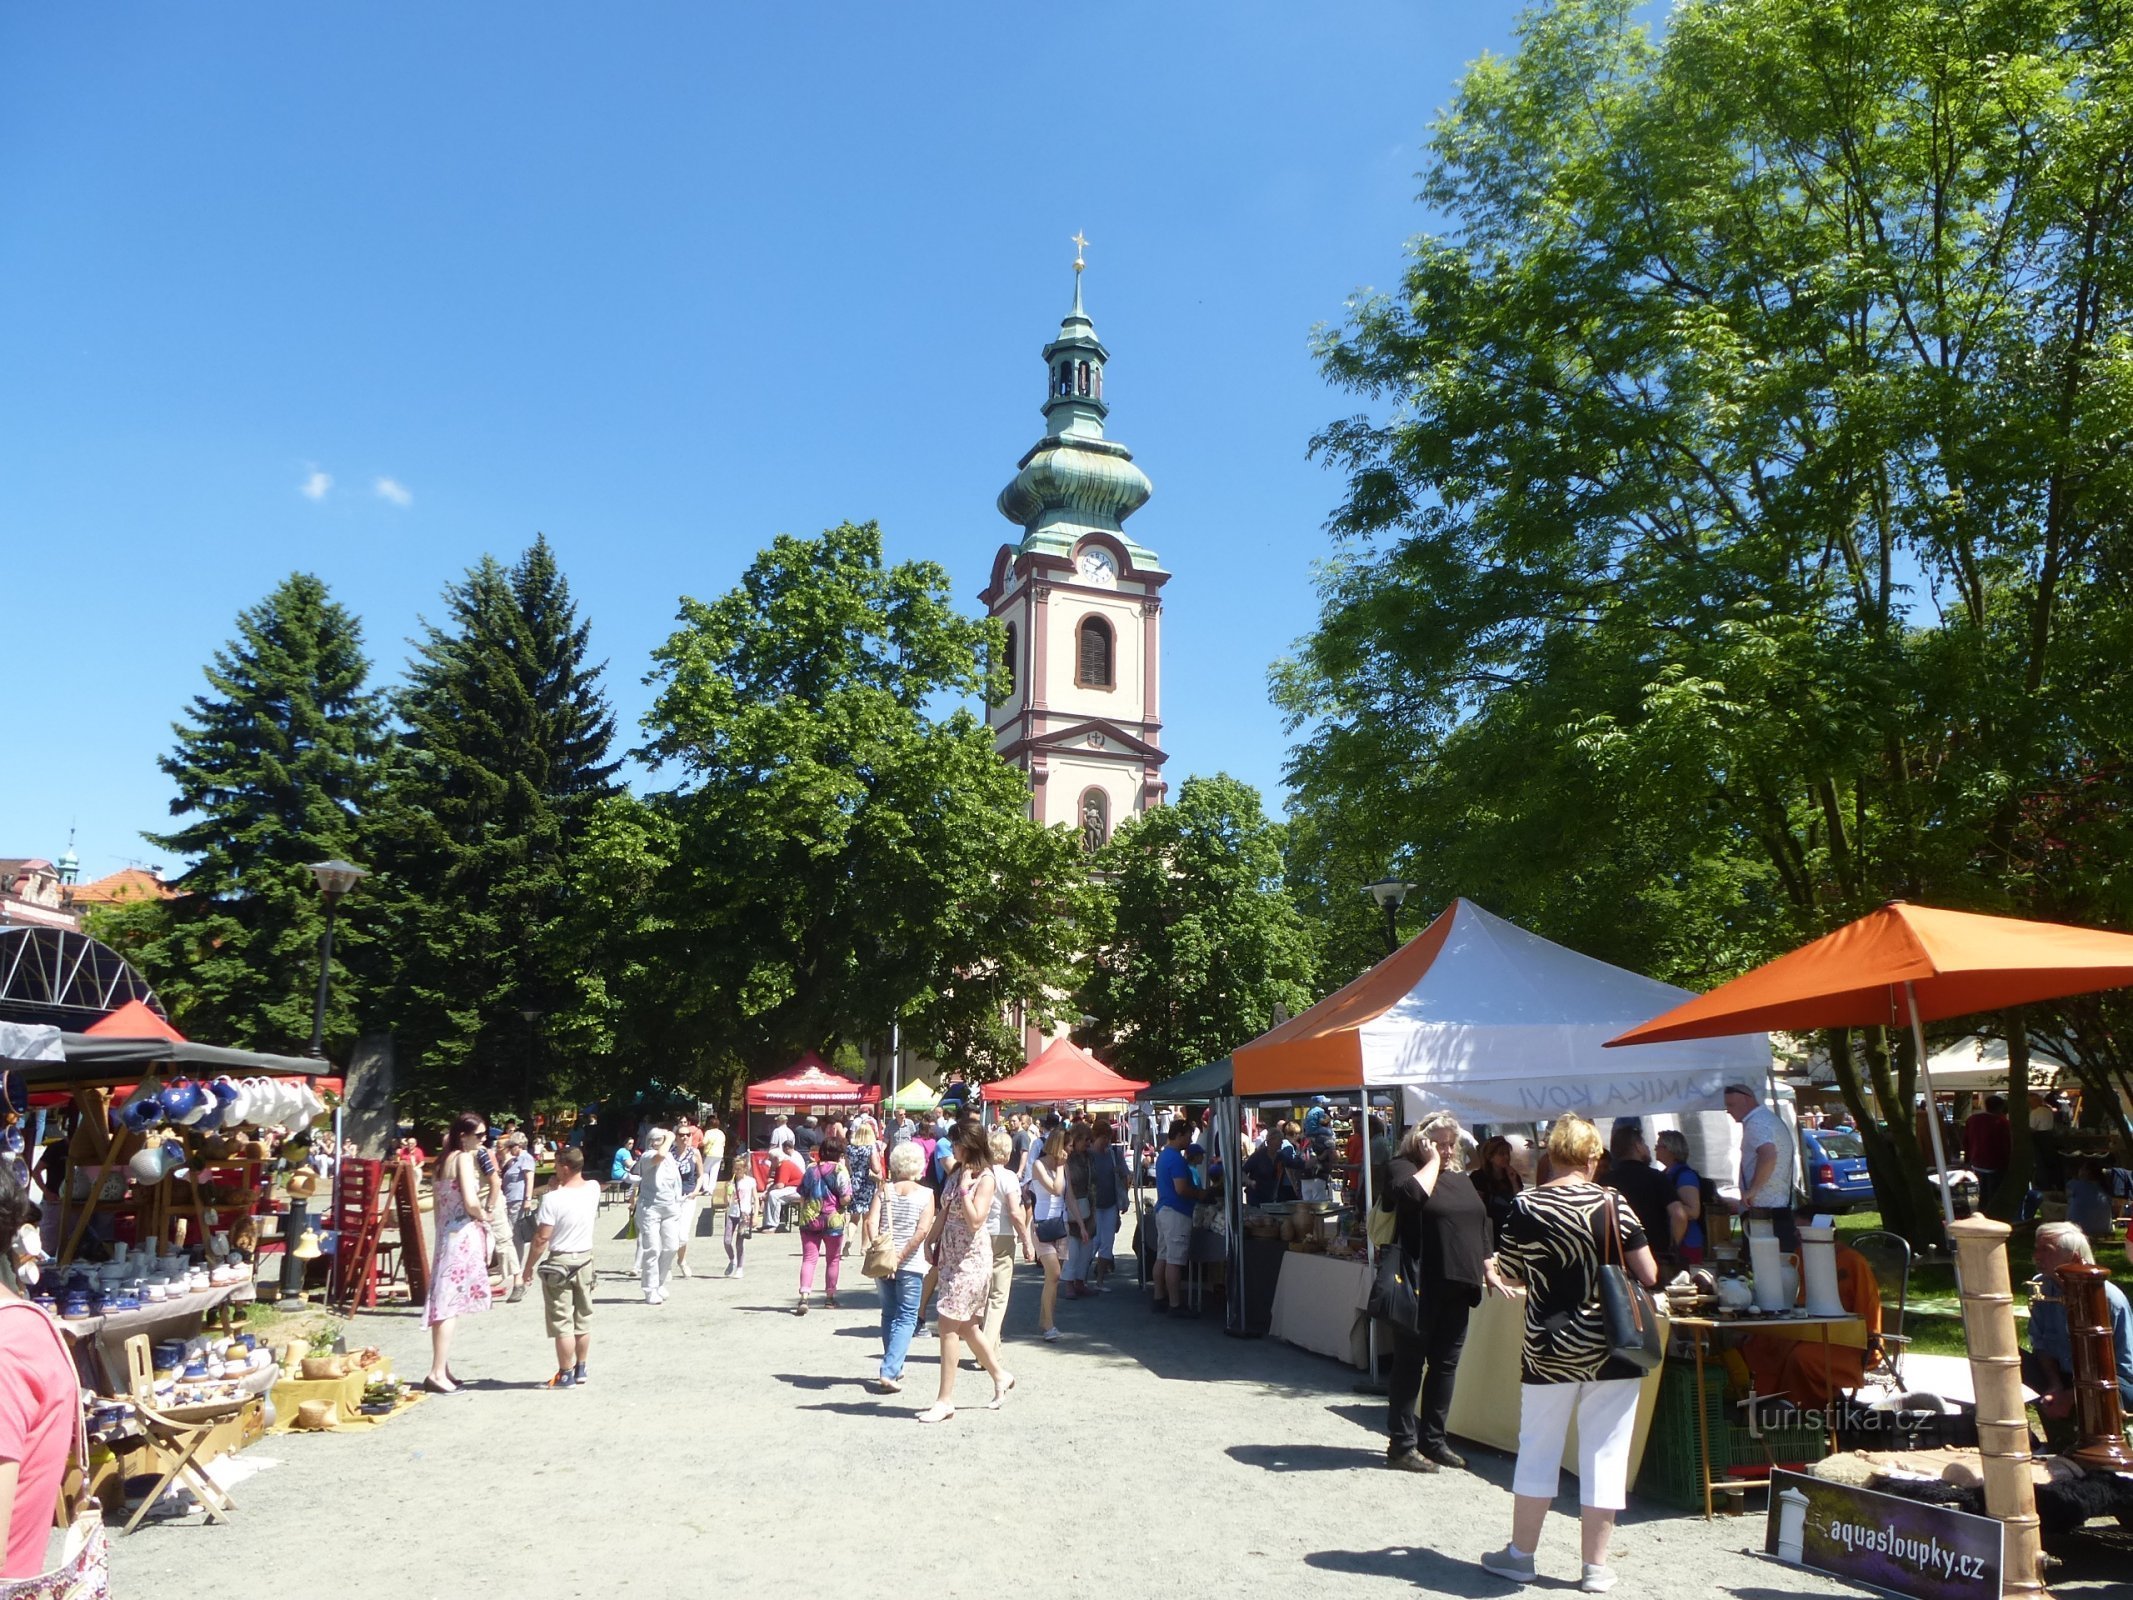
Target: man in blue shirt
<point x="2049" y="1367"/>
<point x="1175" y="1196"/>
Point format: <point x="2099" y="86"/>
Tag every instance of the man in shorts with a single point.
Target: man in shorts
<point x="1175" y="1195"/>
<point x="562" y="1253"/>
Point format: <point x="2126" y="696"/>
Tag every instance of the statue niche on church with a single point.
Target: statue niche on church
<point x="1095" y="824"/>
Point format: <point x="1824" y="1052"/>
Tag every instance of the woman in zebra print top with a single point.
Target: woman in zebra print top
<point x="1554" y="1241"/>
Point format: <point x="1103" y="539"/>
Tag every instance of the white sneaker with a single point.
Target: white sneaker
<point x="1597" y="1579"/>
<point x="683" y="1269"/>
<point x="736" y="1272"/>
<point x="1050" y="1334"/>
<point x="1510" y="1562"/>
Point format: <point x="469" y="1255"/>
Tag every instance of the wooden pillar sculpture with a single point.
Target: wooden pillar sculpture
<point x="1996" y="1375"/>
<point x="2099" y="1419"/>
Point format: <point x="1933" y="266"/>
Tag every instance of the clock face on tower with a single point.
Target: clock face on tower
<point x="1098" y="566"/>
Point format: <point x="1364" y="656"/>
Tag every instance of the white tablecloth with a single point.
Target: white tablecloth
<point x="1319" y="1304"/>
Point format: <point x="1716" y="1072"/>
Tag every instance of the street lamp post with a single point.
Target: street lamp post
<point x="533" y="1015"/>
<point x="335" y="878"/>
<point x="1389" y="893"/>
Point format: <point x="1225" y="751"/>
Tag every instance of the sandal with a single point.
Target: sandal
<point x="937" y="1412"/>
<point x="999" y="1395"/>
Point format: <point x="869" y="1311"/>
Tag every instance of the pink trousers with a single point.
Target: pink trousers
<point x="830" y="1247"/>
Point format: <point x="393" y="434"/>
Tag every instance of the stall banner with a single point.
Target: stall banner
<point x="1542" y="1099"/>
<point x="1883" y="1541"/>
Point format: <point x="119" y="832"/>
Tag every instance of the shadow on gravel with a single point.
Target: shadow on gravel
<point x="1304" y="1457"/>
<point x="858" y="1408"/>
<point x="815" y="1380"/>
<point x="1425" y="1569"/>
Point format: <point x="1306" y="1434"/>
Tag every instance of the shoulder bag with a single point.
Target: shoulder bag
<point x="1384" y="1229"/>
<point x="84" y="1570"/>
<point x="1626" y="1307"/>
<point x="1396" y="1291"/>
<point x="882" y="1250"/>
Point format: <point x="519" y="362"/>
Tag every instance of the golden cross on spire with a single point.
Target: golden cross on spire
<point x="1080" y="244"/>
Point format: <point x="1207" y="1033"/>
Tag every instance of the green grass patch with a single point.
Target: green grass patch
<point x="1933" y="1320"/>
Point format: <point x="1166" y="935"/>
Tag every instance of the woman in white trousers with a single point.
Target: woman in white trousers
<point x="659" y="1207"/>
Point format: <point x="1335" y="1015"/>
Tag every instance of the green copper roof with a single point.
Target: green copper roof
<point x="1074" y="481"/>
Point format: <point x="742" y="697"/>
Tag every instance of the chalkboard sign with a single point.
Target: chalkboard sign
<point x="1883" y="1541"/>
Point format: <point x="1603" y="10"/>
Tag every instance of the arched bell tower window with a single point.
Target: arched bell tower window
<point x="1095" y="820"/>
<point x="1081" y="374"/>
<point x="1064" y="383"/>
<point x="1093" y="654"/>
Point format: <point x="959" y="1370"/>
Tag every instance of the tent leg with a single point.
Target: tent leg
<point x="1370" y="1250"/>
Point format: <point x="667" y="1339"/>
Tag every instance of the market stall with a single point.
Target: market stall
<point x="1478" y="1017"/>
<point x="1206" y="1087"/>
<point x="810" y="1089"/>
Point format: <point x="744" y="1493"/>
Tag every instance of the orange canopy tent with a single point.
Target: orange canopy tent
<point x="1904" y="963"/>
<point x="1064" y="1071"/>
<point x="811" y="1082"/>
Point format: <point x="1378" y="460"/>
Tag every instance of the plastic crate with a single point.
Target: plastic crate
<point x="1673" y="1452"/>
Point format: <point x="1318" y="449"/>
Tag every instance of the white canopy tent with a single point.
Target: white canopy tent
<point x="1481" y="1018"/>
<point x="25" y="1042"/>
<point x="1979" y="1066"/>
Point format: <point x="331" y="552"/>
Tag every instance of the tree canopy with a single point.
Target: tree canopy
<point x="846" y="849"/>
<point x="1194" y="942"/>
<point x="275" y="768"/>
<point x="1739" y="535"/>
<point x="499" y="768"/>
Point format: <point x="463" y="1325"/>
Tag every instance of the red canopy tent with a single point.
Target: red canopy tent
<point x="1064" y="1071"/>
<point x="810" y="1083"/>
<point x="133" y="1020"/>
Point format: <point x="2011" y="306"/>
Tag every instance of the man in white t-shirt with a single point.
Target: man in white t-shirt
<point x="1766" y="1159"/>
<point x="563" y="1233"/>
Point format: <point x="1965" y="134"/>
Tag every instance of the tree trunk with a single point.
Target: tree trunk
<point x="1893" y="1158"/>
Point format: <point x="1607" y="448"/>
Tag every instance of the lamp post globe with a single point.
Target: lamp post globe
<point x="1390" y="894"/>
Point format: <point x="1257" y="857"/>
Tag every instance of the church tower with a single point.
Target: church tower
<point x="1083" y="606"/>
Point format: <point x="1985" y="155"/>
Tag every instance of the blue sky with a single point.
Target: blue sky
<point x="661" y="281"/>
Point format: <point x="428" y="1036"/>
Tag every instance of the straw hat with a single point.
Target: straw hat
<point x="317" y="1416"/>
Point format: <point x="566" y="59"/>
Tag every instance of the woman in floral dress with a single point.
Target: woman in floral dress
<point x="962" y="1255"/>
<point x="459" y="1264"/>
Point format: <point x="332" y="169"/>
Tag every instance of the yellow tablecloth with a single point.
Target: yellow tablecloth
<point x="1319" y="1304"/>
<point x="1485" y="1394"/>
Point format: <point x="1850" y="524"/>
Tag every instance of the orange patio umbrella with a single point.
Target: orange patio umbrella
<point x="1904" y="963"/>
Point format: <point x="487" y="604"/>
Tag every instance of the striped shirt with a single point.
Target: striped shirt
<point x="1552" y="1240"/>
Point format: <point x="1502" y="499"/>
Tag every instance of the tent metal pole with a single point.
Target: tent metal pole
<point x="1370" y="1250"/>
<point x="1925" y="1078"/>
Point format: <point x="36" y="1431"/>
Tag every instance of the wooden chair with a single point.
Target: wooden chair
<point x="176" y="1443"/>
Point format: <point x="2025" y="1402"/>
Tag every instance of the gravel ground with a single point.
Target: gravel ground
<point x="726" y="1443"/>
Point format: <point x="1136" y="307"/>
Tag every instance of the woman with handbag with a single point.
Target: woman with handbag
<point x="862" y="1159"/>
<point x="962" y="1253"/>
<point x="899" y="1221"/>
<point x="1048" y="1214"/>
<point x="459" y="1260"/>
<point x="40" y="1421"/>
<point x="825" y="1204"/>
<point x="1440" y="1227"/>
<point x="1563" y="1239"/>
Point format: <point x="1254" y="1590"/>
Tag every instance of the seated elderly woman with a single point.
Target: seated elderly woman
<point x="2048" y="1365"/>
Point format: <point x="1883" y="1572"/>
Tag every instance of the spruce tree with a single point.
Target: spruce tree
<point x="495" y="779"/>
<point x="275" y="769"/>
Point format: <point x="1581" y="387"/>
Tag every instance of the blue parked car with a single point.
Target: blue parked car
<point x="1835" y="1166"/>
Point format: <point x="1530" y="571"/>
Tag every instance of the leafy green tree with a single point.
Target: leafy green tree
<point x="847" y="849"/>
<point x="493" y="789"/>
<point x="1196" y="942"/>
<point x="1740" y="537"/>
<point x="275" y="768"/>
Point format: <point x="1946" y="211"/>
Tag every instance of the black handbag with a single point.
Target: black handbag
<point x="1396" y="1291"/>
<point x="1051" y="1230"/>
<point x="1627" y="1310"/>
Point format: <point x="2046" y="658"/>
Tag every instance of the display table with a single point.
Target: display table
<point x="1320" y="1303"/>
<point x="1485" y="1398"/>
<point x="100" y="1342"/>
<point x="1831" y="1330"/>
